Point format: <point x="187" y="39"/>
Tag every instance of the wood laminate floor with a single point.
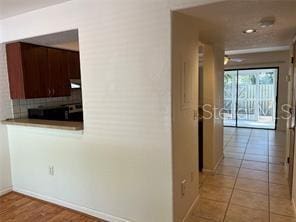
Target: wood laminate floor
<point x="16" y="207"/>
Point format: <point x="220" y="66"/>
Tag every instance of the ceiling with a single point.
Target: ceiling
<point x="226" y="20"/>
<point x="10" y="8"/>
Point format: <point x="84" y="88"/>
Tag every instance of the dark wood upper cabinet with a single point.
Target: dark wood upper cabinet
<point x="37" y="71"/>
<point x="15" y="71"/>
<point x="58" y="73"/>
<point x="73" y="64"/>
<point x="35" y="68"/>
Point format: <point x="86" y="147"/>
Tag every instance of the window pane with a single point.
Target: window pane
<point x="229" y="111"/>
<point x="257" y="98"/>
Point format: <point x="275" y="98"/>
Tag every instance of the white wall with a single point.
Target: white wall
<point x="122" y="163"/>
<point x="5" y="112"/>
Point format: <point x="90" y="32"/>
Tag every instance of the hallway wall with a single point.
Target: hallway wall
<point x="213" y="100"/>
<point x="185" y="46"/>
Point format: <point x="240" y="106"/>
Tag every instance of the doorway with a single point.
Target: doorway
<point x="250" y="97"/>
<point x="200" y="110"/>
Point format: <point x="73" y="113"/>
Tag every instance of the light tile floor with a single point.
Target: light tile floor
<point x="250" y="184"/>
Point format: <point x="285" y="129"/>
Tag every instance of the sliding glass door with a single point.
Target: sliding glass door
<point x="255" y="99"/>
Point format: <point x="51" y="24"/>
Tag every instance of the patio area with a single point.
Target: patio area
<point x="249" y="123"/>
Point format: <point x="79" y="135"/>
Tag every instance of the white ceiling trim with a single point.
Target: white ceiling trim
<point x="256" y="50"/>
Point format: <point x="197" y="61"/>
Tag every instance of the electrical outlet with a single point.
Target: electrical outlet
<point x="51" y="170"/>
<point x="183" y="187"/>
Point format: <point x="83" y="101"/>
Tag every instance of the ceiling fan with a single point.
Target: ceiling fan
<point x="228" y="59"/>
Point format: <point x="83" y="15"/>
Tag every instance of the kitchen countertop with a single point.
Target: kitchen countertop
<point x="51" y="124"/>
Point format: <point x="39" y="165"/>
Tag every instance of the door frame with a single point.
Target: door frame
<point x="276" y="98"/>
<point x="291" y="126"/>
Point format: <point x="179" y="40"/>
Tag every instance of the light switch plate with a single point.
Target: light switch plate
<point x="183" y="187"/>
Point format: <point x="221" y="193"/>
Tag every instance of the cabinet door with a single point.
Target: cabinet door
<point x="15" y="71"/>
<point x="73" y="65"/>
<point x="35" y="69"/>
<point x="58" y="73"/>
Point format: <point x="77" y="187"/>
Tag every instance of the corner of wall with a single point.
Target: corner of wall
<point x="5" y="112"/>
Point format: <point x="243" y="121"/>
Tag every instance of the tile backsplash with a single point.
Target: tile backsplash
<point x="21" y="106"/>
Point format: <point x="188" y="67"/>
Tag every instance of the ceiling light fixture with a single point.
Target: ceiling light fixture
<point x="267" y="22"/>
<point x="226" y="60"/>
<point x="249" y="31"/>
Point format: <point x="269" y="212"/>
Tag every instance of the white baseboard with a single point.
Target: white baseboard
<point x="293" y="202"/>
<point x="68" y="205"/>
<point x="216" y="166"/>
<point x="208" y="171"/>
<point x="5" y="191"/>
<point x="219" y="161"/>
<point x="190" y="209"/>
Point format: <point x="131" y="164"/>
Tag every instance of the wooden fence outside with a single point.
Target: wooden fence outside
<point x="254" y="101"/>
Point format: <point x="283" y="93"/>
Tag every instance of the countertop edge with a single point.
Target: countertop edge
<point x="47" y="124"/>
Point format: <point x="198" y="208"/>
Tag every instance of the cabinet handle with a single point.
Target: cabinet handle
<point x="49" y="92"/>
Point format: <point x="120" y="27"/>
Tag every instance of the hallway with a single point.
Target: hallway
<point x="250" y="183"/>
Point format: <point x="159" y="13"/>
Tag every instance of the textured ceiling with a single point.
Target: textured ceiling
<point x="226" y="20"/>
<point x="10" y="8"/>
